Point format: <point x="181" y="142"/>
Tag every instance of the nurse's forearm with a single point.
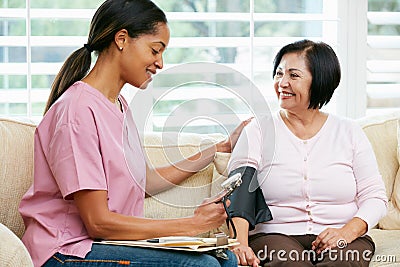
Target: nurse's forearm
<point x="163" y="178"/>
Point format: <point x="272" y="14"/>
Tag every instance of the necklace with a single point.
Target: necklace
<point x="118" y="104"/>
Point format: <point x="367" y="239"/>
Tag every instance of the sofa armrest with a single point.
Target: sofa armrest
<point x="12" y="251"/>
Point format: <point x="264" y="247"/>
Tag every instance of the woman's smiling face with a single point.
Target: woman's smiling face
<point x="143" y="56"/>
<point x="292" y="82"/>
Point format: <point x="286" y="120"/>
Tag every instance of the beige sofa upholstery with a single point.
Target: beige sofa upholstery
<point x="16" y="157"/>
<point x="16" y="170"/>
<point x="384" y="135"/>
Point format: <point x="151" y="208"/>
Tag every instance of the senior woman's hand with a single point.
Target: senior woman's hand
<point x="340" y="237"/>
<point x="245" y="256"/>
<point x="228" y="144"/>
<point x="329" y="239"/>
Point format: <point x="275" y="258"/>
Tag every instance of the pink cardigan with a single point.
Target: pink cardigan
<point x="312" y="184"/>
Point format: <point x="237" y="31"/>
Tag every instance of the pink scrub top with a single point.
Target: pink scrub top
<point x="79" y="146"/>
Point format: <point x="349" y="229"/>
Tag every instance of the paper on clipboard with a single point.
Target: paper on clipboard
<point x="184" y="243"/>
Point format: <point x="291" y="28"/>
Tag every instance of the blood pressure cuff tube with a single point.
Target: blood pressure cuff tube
<point x="250" y="206"/>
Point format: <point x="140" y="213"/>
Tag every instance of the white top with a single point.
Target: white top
<point x="312" y="184"/>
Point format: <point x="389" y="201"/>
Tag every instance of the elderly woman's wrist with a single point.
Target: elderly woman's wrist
<point x="353" y="230"/>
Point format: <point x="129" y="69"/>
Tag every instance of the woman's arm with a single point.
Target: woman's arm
<point x="247" y="209"/>
<point x="101" y="223"/>
<point x="371" y="192"/>
<point x="162" y="178"/>
<point x="244" y="254"/>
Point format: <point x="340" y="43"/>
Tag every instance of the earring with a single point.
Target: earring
<point x="120" y="49"/>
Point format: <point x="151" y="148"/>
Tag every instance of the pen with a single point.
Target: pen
<point x="174" y="240"/>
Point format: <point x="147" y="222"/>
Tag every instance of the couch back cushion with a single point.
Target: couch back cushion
<point x="165" y="149"/>
<point x="382" y="133"/>
<point x="392" y="220"/>
<point x="220" y="174"/>
<point x="16" y="170"/>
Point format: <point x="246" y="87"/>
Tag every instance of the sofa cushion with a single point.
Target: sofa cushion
<point x="221" y="161"/>
<point x="217" y="179"/>
<point x="381" y="131"/>
<point x="12" y="251"/>
<point x="181" y="200"/>
<point x="387" y="245"/>
<point x="392" y="220"/>
<point x="220" y="174"/>
<point x="16" y="170"/>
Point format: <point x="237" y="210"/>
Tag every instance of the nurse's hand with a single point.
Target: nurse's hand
<point x="228" y="144"/>
<point x="210" y="214"/>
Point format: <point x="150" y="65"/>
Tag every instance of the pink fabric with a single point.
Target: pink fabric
<point x="78" y="145"/>
<point x="312" y="184"/>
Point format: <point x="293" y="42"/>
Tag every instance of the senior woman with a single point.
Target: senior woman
<point x="322" y="184"/>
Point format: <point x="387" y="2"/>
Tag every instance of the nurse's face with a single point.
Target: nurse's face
<point x="143" y="56"/>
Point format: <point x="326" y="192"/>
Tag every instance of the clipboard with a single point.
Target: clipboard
<point x="182" y="243"/>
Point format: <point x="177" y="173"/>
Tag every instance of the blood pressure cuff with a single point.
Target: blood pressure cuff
<point x="248" y="205"/>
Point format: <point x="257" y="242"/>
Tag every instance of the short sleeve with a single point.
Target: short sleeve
<point x="75" y="158"/>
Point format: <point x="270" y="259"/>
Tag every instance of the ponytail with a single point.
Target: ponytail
<point x="74" y="69"/>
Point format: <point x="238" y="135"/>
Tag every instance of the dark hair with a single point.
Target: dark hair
<point x="323" y="64"/>
<point x="138" y="17"/>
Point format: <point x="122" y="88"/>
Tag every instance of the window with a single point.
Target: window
<point x="35" y="39"/>
<point x="241" y="35"/>
<point x="383" y="61"/>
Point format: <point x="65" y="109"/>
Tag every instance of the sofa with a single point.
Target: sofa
<point x="16" y="168"/>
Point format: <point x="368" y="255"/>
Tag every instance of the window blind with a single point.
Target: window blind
<point x="383" y="60"/>
<point x="37" y="36"/>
